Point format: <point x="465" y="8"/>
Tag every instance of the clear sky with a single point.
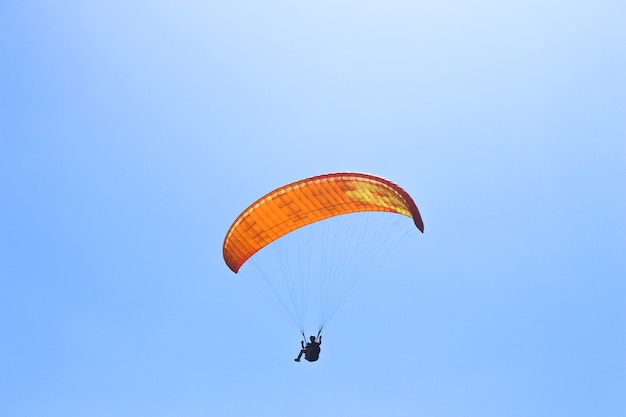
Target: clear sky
<point x="132" y="133"/>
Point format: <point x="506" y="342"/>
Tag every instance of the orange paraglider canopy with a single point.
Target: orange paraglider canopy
<point x="310" y="200"/>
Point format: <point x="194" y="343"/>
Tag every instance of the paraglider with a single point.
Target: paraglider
<point x="319" y="201"/>
<point x="312" y="349"/>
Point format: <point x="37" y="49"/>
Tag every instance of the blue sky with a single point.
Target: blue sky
<point x="132" y="133"/>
